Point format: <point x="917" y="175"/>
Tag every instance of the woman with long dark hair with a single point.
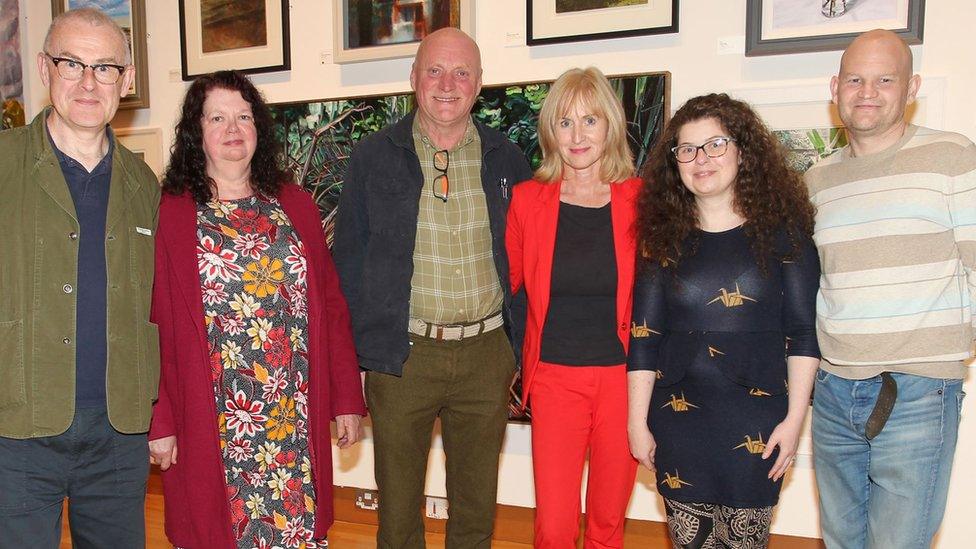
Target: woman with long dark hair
<point x="257" y="352"/>
<point x="723" y="348"/>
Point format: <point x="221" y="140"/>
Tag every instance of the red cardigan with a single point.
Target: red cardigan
<point x="530" y="238"/>
<point x="196" y="505"/>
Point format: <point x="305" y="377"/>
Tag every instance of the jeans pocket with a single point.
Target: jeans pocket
<point x="960" y="396"/>
<point x="822" y="375"/>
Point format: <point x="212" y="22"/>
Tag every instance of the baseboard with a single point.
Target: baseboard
<point x="514" y="524"/>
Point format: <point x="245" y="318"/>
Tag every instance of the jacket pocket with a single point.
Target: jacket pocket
<point x="11" y="364"/>
<point x="141" y="255"/>
<point x="149" y="360"/>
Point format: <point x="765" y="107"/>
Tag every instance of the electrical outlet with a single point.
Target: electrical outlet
<point x="367" y="499"/>
<point x="436" y="508"/>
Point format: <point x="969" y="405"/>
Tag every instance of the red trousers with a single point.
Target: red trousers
<point x="575" y="409"/>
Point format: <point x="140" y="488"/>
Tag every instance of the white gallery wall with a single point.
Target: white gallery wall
<point x="789" y="90"/>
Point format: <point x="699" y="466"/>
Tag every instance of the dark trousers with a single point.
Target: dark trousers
<point x="102" y="472"/>
<point x="465" y="383"/>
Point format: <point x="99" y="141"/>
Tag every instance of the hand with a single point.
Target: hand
<point x="642" y="445"/>
<point x="347" y="430"/>
<point x="786" y="435"/>
<point x="162" y="452"/>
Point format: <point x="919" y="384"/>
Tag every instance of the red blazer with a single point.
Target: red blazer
<point x="530" y="238"/>
<point x="196" y="505"/>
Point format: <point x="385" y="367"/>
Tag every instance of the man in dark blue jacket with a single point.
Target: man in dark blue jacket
<point x="420" y="249"/>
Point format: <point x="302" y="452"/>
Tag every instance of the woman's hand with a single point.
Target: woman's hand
<point x="642" y="445"/>
<point x="786" y="435"/>
<point x="162" y="452"/>
<point x="347" y="430"/>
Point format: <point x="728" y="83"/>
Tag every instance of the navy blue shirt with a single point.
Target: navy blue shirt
<point x="89" y="191"/>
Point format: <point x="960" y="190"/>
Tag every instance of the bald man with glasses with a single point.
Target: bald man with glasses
<point x="79" y="359"/>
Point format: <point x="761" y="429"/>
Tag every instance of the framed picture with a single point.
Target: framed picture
<point x="319" y="135"/>
<point x="556" y="21"/>
<point x="367" y="30"/>
<point x="131" y="16"/>
<point x="147" y="143"/>
<point x="245" y="35"/>
<point x="795" y="26"/>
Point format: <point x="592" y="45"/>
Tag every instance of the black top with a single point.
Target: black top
<point x="89" y="191"/>
<point x="580" y="328"/>
<point x="718" y="296"/>
<point x="717" y="331"/>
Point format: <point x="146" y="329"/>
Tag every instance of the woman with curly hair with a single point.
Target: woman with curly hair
<point x="723" y="349"/>
<point x="256" y="345"/>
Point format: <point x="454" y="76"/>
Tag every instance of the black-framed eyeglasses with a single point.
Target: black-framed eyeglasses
<point x="441" y="184"/>
<point x="713" y="148"/>
<point x="72" y="69"/>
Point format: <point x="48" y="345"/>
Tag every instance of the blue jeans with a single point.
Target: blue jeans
<point x="888" y="492"/>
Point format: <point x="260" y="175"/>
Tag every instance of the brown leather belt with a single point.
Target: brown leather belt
<point x="882" y="408"/>
<point x="454" y="332"/>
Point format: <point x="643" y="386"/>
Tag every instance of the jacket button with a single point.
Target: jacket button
<point x="73" y="235"/>
<point x="66" y="341"/>
<point x="67" y="288"/>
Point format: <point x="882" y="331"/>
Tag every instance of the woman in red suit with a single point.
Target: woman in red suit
<point x="256" y="345"/>
<point x="570" y="242"/>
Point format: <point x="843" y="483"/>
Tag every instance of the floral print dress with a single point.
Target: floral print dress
<point x="253" y="279"/>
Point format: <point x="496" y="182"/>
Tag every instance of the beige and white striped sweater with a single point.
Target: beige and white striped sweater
<point x="896" y="232"/>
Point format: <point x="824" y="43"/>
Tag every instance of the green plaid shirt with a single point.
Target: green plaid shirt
<point x="454" y="276"/>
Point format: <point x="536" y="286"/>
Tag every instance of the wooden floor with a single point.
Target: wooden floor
<point x="356" y="535"/>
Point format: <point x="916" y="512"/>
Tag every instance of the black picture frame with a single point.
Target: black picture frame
<point x="756" y="45"/>
<point x="533" y="38"/>
<point x="247" y="60"/>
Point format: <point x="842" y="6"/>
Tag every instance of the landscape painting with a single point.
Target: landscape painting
<point x="233" y="24"/>
<point x="372" y="23"/>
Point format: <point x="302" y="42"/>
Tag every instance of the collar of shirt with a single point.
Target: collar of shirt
<point x="469" y="134"/>
<point x="68" y="163"/>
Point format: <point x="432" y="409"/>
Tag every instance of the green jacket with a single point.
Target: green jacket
<point x="38" y="257"/>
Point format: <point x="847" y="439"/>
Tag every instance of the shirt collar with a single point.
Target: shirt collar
<point x="70" y="163"/>
<point x="469" y="135"/>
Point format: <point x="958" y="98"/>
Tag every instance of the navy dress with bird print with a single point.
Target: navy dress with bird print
<point x="717" y="330"/>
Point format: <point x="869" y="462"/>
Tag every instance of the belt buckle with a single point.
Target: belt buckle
<point x="441" y="328"/>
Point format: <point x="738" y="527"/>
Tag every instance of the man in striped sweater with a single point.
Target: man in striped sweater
<point x="896" y="231"/>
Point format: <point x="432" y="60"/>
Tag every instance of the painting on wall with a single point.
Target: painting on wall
<point x="131" y="16"/>
<point x="246" y="35"/>
<point x="794" y="26"/>
<point x="566" y="6"/>
<point x="11" y="67"/>
<point x="319" y="136"/>
<point x="805" y="147"/>
<point x="558" y="21"/>
<point x="367" y="30"/>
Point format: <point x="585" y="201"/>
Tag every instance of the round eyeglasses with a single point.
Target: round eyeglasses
<point x="72" y="69"/>
<point x="713" y="148"/>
